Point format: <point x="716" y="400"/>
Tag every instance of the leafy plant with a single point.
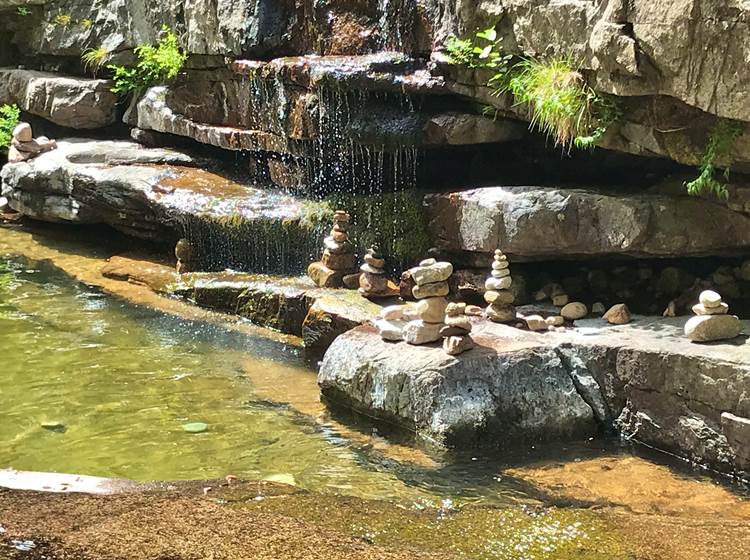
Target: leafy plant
<point x="23" y="11"/>
<point x="156" y="64"/>
<point x="9" y="117"/>
<point x="483" y="52"/>
<point x="719" y="148"/>
<point x="87" y="23"/>
<point x="94" y="59"/>
<point x="63" y="20"/>
<point x="561" y="104"/>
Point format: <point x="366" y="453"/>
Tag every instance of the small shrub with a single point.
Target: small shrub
<point x="63" y="20"/>
<point x="94" y="59"/>
<point x="562" y="105"/>
<point x="23" y="11"/>
<point x="87" y="23"/>
<point x="483" y="52"/>
<point x="156" y="64"/>
<point x="9" y="117"/>
<point x="719" y="148"/>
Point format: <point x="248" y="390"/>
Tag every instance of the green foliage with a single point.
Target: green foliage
<point x="87" y="23"/>
<point x="483" y="52"/>
<point x="23" y="11"/>
<point x="719" y="149"/>
<point x="156" y="64"/>
<point x="9" y="117"/>
<point x="94" y="59"/>
<point x="63" y="20"/>
<point x="561" y="104"/>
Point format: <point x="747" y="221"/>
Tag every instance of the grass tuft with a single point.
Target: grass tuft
<point x="94" y="59"/>
<point x="718" y="150"/>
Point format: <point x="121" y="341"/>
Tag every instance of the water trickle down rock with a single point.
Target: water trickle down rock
<point x="338" y="258"/>
<point x="498" y="294"/>
<point x="712" y="322"/>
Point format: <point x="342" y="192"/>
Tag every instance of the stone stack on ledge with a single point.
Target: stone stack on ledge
<point x="498" y="294"/>
<point x="338" y="258"/>
<point x="431" y="287"/>
<point x="455" y="333"/>
<point x="712" y="321"/>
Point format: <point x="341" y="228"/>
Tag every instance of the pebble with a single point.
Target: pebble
<point x="501" y="313"/>
<point x="391" y="330"/>
<point x="709" y="298"/>
<point x="618" y="314"/>
<point x="53" y="426"/>
<point x="433" y="289"/>
<point x="473" y="310"/>
<point x="438" y="272"/>
<point x="492" y="296"/>
<point x="428" y="262"/>
<point x="598" y="308"/>
<point x="452" y="331"/>
<point x="432" y="310"/>
<point x="419" y="332"/>
<point x="497" y="284"/>
<point x="500" y="273"/>
<point x="461" y="322"/>
<point x="574" y="311"/>
<point x="555" y="321"/>
<point x="455" y="309"/>
<point x="455" y="345"/>
<point x="195" y="427"/>
<point x="500" y="265"/>
<point x="536" y="323"/>
<point x="703" y="309"/>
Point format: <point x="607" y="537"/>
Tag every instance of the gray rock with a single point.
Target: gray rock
<point x="537" y="222"/>
<point x="392" y="330"/>
<point x="435" y="289"/>
<point x="65" y="100"/>
<point x="455" y="345"/>
<point x="420" y="332"/>
<point x="438" y="272"/>
<point x="574" y="311"/>
<point x="618" y="314"/>
<point x="721" y="309"/>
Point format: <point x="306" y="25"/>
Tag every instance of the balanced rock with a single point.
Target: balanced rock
<point x="618" y="314"/>
<point x="574" y="311"/>
<point x="455" y="309"/>
<point x="323" y="276"/>
<point x="536" y="323"/>
<point x="710" y="298"/>
<point x="406" y="286"/>
<point x="432" y="310"/>
<point x="24" y="147"/>
<point x="505" y="296"/>
<point x="702" y="309"/>
<point x="419" y="332"/>
<point x="433" y="289"/>
<point x="373" y="282"/>
<point x="710" y="328"/>
<point x="392" y="330"/>
<point x="436" y="272"/>
<point x="473" y="310"/>
<point x="455" y="345"/>
<point x="493" y="283"/>
<point x="461" y="322"/>
<point x="498" y="295"/>
<point x="501" y="313"/>
<point x="338" y="259"/>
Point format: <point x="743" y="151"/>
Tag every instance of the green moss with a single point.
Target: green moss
<point x="718" y="152"/>
<point x="393" y="221"/>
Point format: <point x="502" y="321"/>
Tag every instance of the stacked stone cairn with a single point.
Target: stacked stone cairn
<point x="338" y="258"/>
<point x="431" y="287"/>
<point x="455" y="333"/>
<point x="23" y="145"/>
<point x="712" y="321"/>
<point x="498" y="295"/>
<point x="373" y="282"/>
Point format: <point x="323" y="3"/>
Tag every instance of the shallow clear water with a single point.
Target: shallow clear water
<point x="93" y="385"/>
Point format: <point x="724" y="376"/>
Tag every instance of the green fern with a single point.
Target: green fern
<point x="719" y="148"/>
<point x="9" y="117"/>
<point x="156" y="65"/>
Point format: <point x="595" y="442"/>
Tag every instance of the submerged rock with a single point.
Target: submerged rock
<point x="195" y="427"/>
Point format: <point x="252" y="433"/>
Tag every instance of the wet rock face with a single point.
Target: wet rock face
<point x="644" y="379"/>
<point x="539" y="222"/>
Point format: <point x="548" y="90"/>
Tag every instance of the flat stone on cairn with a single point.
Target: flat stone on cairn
<point x="338" y="258"/>
<point x="712" y="322"/>
<point x="498" y="294"/>
<point x="373" y="283"/>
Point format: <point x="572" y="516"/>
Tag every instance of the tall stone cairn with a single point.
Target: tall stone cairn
<point x="455" y="333"/>
<point x="338" y="258"/>
<point x="373" y="282"/>
<point x="431" y="288"/>
<point x="498" y="294"/>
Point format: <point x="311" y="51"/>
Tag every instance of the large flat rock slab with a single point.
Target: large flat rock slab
<point x="70" y="101"/>
<point x="161" y="195"/>
<point x="644" y="379"/>
<point x="534" y="223"/>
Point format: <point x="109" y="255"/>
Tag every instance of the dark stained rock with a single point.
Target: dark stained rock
<point x="644" y="379"/>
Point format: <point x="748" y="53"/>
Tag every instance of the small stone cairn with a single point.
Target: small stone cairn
<point x="431" y="287"/>
<point x="455" y="333"/>
<point x="498" y="294"/>
<point x="373" y="283"/>
<point x="338" y="258"/>
<point x="712" y="321"/>
<point x="23" y="145"/>
<point x="186" y="256"/>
